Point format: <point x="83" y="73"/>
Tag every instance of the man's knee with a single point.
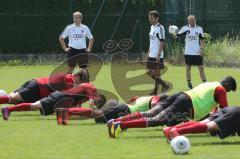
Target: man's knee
<point x="188" y="67"/>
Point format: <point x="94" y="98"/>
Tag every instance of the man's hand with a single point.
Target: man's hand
<point x="174" y="35"/>
<point x="88" y="50"/>
<point x="68" y="49"/>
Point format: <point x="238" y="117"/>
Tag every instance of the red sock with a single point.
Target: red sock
<point x="129" y="117"/>
<point x="87" y="112"/>
<point x="4" y="99"/>
<point x="185" y="124"/>
<point x="142" y="123"/>
<point x="20" y="107"/>
<point x="192" y="129"/>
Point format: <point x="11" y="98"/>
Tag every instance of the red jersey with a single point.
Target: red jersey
<point x="82" y="92"/>
<point x="61" y="81"/>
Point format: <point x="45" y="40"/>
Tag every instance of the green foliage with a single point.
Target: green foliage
<point x="222" y="52"/>
<point x="225" y="50"/>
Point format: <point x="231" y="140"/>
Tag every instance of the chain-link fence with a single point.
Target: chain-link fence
<point x="33" y="26"/>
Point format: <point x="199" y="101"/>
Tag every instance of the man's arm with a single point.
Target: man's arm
<point x="63" y="45"/>
<point x="90" y="45"/>
<point x="220" y="95"/>
<point x="63" y="35"/>
<point x="161" y="37"/>
<point x="90" y="37"/>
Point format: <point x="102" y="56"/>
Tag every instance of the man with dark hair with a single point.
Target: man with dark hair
<point x="38" y="88"/>
<point x="224" y="123"/>
<point x="68" y="98"/>
<point x="113" y="109"/>
<point x="155" y="52"/>
<point x="194" y="104"/>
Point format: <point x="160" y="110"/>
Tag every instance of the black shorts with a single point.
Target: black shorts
<point x="193" y="60"/>
<point x="77" y="56"/>
<point x="113" y="113"/>
<point x="178" y="109"/>
<point x="228" y="121"/>
<point x="29" y="91"/>
<point x="55" y="100"/>
<point x="152" y="64"/>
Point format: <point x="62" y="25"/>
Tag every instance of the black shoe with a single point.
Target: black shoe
<point x="165" y="88"/>
<point x="190" y="86"/>
<point x="154" y="92"/>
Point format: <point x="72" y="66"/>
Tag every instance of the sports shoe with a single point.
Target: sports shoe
<point x="5" y="113"/>
<point x="65" y="116"/>
<point x="109" y="126"/>
<point x="59" y="116"/>
<point x="116" y="130"/>
<point x="173" y="133"/>
<point x="166" y="133"/>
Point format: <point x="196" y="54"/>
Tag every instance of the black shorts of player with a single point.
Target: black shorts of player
<point x="178" y="108"/>
<point x="29" y="91"/>
<point x="193" y="60"/>
<point x="77" y="56"/>
<point x="55" y="100"/>
<point x="113" y="113"/>
<point x="153" y="64"/>
<point x="227" y="119"/>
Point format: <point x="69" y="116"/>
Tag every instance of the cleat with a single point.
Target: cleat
<point x="166" y="133"/>
<point x="116" y="130"/>
<point x="65" y="116"/>
<point x="109" y="125"/>
<point x="190" y="86"/>
<point x="59" y="116"/>
<point x="173" y="133"/>
<point x="165" y="88"/>
<point x="5" y="113"/>
<point x="154" y="92"/>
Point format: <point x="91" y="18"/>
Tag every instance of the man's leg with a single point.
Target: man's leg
<point x="64" y="114"/>
<point x="198" y="127"/>
<point x="202" y="73"/>
<point x="140" y="115"/>
<point x="20" y="107"/>
<point x="188" y="76"/>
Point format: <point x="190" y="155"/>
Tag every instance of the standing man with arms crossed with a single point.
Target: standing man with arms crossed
<point x="155" y="52"/>
<point x="194" y="44"/>
<point x="77" y="34"/>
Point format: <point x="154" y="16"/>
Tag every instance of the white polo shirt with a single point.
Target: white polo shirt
<point x="192" y="40"/>
<point x="156" y="36"/>
<point x="77" y="35"/>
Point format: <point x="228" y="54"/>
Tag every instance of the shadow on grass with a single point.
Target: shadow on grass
<point x="142" y="137"/>
<point x="217" y="143"/>
<point x="146" y="130"/>
<point x="81" y="124"/>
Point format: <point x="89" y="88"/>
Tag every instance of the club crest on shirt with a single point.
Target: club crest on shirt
<point x="82" y="31"/>
<point x="196" y="33"/>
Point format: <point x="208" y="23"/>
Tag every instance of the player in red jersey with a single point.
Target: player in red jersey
<point x="68" y="98"/>
<point x="38" y="88"/>
<point x="112" y="110"/>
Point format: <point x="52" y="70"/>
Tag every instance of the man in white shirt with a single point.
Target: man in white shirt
<point x="194" y="44"/>
<point x="77" y="49"/>
<point x="155" y="52"/>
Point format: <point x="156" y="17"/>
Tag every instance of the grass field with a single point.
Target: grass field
<point x="28" y="135"/>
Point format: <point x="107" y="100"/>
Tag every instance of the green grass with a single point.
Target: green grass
<point x="28" y="135"/>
